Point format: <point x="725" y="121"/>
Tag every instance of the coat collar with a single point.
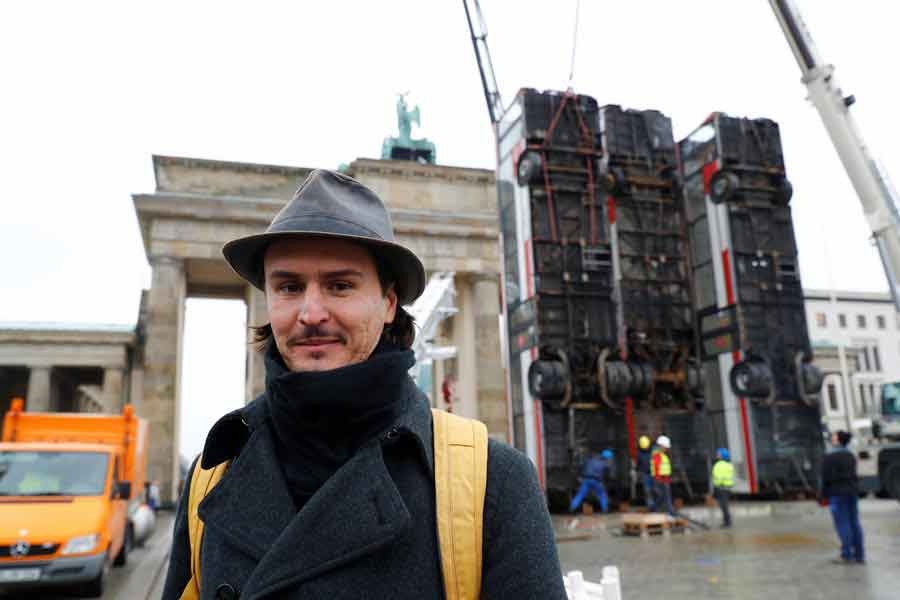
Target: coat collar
<point x="232" y="432"/>
<point x="358" y="511"/>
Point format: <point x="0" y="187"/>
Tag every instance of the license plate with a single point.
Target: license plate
<point x="14" y="575"/>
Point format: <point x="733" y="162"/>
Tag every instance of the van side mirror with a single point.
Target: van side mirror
<point x="122" y="490"/>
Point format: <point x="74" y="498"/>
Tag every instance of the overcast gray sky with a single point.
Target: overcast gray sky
<point x="92" y="89"/>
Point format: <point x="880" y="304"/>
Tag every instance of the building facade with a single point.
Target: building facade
<point x="859" y="332"/>
<point x="63" y="367"/>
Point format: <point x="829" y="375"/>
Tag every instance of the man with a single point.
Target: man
<point x="593" y="474"/>
<point x="330" y="489"/>
<point x="723" y="481"/>
<point x="662" y="474"/>
<point x="840" y="487"/>
<point x="642" y="467"/>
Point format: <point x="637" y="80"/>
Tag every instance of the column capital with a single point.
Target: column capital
<point x="162" y="261"/>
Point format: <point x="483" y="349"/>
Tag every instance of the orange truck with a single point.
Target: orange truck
<point x="68" y="483"/>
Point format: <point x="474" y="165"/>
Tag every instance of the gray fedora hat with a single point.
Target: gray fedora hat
<point x="333" y="205"/>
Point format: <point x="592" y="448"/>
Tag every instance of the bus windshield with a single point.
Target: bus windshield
<point x="25" y="473"/>
<point x="890" y="399"/>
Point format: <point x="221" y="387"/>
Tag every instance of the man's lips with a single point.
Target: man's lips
<point x="316" y="342"/>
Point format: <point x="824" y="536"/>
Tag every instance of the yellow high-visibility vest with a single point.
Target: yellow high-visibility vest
<point x="723" y="474"/>
<point x="665" y="466"/>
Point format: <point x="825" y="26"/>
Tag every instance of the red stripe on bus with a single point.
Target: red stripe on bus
<point x="709" y="170"/>
<point x="629" y="424"/>
<point x="729" y="283"/>
<point x="529" y="282"/>
<point x="751" y="466"/>
<point x="539" y="443"/>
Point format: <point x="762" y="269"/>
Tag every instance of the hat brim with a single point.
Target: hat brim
<point x="245" y="256"/>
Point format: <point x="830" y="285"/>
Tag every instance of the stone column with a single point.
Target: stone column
<point x="162" y="371"/>
<point x="466" y="404"/>
<point x="38" y="397"/>
<point x="257" y="315"/>
<point x="113" y="379"/>
<point x="136" y="388"/>
<point x="491" y="382"/>
<point x="437" y="380"/>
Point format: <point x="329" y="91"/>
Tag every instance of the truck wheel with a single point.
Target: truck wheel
<point x="122" y="556"/>
<point x="94" y="587"/>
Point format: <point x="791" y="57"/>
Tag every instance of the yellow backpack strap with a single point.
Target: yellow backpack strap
<point x="202" y="481"/>
<point x="460" y="480"/>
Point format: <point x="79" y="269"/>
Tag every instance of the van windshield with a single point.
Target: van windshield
<point x="52" y="473"/>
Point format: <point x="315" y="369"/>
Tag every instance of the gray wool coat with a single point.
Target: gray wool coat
<point x="369" y="531"/>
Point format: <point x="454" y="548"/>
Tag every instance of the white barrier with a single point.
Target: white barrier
<point x="609" y="587"/>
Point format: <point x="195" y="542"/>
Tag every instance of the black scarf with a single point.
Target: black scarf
<point x="321" y="418"/>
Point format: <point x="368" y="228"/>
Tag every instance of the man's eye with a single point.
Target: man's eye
<point x="289" y="288"/>
<point x="341" y="286"/>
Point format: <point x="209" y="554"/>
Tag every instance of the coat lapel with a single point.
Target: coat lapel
<point x="358" y="511"/>
<point x="251" y="505"/>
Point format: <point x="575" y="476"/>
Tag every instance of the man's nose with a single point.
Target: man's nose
<point x="313" y="310"/>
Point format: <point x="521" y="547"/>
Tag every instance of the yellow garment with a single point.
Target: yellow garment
<point x="460" y="474"/>
<point x="665" y="466"/>
<point x="644" y="442"/>
<point x="723" y="474"/>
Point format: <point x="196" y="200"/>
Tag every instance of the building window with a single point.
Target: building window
<point x="832" y="397"/>
<point x="821" y="320"/>
<point x="882" y="322"/>
<point x="872" y="397"/>
<point x="865" y="355"/>
<point x="876" y="357"/>
<point x="861" y="321"/>
<point x="861" y="400"/>
<point x="842" y="321"/>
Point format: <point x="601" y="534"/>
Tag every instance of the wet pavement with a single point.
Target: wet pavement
<point x="783" y="552"/>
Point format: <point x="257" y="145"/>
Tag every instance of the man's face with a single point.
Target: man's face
<point x="325" y="302"/>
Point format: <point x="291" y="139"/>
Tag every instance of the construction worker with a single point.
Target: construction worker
<point x="840" y="486"/>
<point x="662" y="474"/>
<point x="643" y="471"/>
<point x="593" y="474"/>
<point x="723" y="481"/>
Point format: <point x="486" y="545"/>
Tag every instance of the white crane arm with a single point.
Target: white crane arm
<point x="872" y="186"/>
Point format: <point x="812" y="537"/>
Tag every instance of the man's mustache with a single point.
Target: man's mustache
<point x="313" y="332"/>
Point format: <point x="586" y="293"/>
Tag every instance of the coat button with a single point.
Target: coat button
<point x="226" y="592"/>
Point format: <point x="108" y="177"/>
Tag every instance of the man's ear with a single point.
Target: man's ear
<point x="390" y="298"/>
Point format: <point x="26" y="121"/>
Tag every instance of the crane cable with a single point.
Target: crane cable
<point x="574" y="43"/>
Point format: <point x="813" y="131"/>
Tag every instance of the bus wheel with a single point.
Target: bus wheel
<point x="530" y="169"/>
<point x="723" y="186"/>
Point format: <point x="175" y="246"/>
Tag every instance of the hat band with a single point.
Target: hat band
<point x="323" y="224"/>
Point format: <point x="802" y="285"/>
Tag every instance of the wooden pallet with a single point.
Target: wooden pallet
<point x="647" y="524"/>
